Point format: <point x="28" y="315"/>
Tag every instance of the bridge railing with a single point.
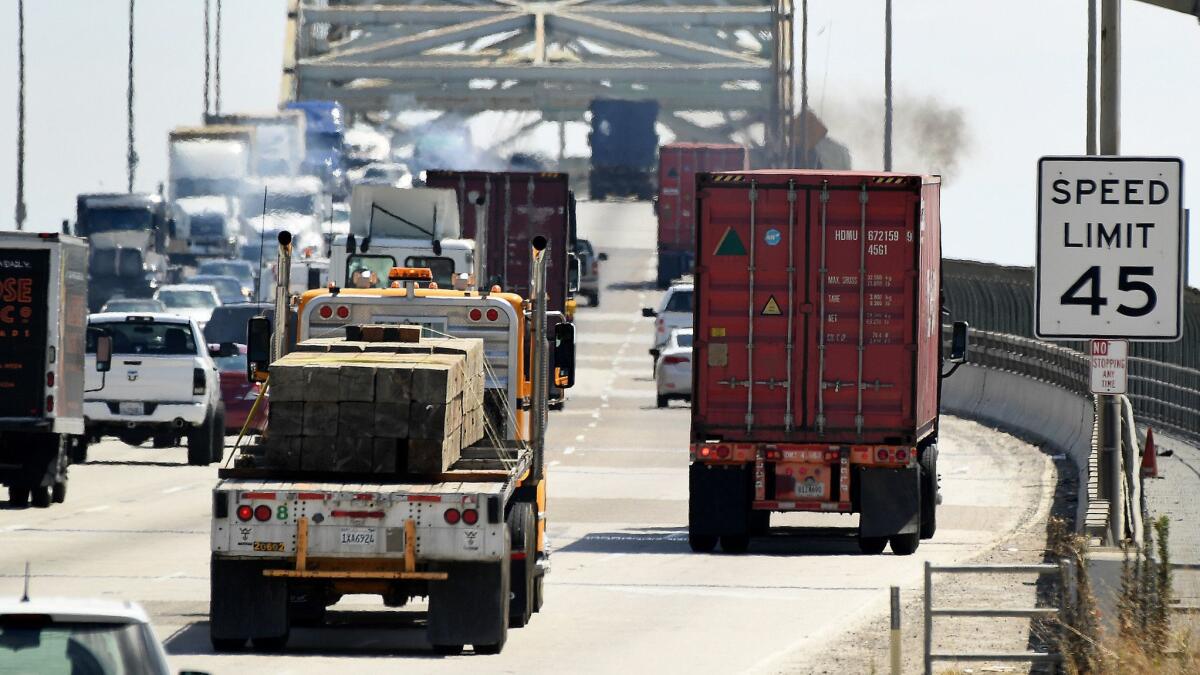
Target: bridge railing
<point x="1162" y="394"/>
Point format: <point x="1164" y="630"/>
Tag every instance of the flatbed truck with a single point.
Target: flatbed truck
<point x="472" y="539"/>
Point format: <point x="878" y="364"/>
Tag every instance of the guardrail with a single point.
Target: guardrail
<point x="1163" y="395"/>
<point x="990" y="612"/>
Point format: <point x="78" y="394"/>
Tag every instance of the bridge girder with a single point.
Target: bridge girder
<point x="731" y="58"/>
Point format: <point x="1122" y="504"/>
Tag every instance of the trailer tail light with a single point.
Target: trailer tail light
<point x="669" y="360"/>
<point x="197" y="381"/>
<point x="343" y="312"/>
<point x="774" y="454"/>
<point x="50" y="379"/>
<point x="492" y="314"/>
<point x="245" y="513"/>
<point x="49" y="404"/>
<point x="705" y="451"/>
<point x="262" y="513"/>
<point x="881" y="455"/>
<point x="901" y="455"/>
<point x="475" y="314"/>
<point x="452" y="516"/>
<point x="326" y="312"/>
<point x="470" y="516"/>
<point x="722" y="452"/>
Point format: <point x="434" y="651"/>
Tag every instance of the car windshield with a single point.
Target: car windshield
<point x="109" y="220"/>
<point x="680" y="301"/>
<point x="231" y="364"/>
<point x="230" y="290"/>
<point x="69" y="648"/>
<point x="144" y="337"/>
<point x="133" y="305"/>
<point x="683" y="339"/>
<point x="181" y="299"/>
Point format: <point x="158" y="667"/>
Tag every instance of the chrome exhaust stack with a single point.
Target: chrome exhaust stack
<point x="283" y="284"/>
<point x="539" y="356"/>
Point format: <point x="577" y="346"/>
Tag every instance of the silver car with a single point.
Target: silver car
<point x="674" y="311"/>
<point x="589" y="265"/>
<point x="673" y="371"/>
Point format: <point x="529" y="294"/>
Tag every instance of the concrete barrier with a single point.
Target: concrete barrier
<point x="1035" y="411"/>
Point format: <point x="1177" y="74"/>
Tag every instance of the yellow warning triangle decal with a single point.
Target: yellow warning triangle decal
<point x="771" y="308"/>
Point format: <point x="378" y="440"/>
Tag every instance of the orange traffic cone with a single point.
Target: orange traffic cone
<point x="1149" y="457"/>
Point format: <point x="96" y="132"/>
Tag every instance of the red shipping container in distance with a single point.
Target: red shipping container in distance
<point x="678" y="164"/>
<point x="786" y="353"/>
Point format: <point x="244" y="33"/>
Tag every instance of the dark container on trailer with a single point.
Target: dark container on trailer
<point x="624" y="146"/>
<point x="678" y="164"/>
<point x="517" y="206"/>
<point x="817" y="353"/>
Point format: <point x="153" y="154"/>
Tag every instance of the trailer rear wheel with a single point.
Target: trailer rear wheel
<point x="58" y="492"/>
<point x="872" y="545"/>
<point x="929" y="492"/>
<point x="447" y="650"/>
<point x="663" y="401"/>
<point x="79" y="449"/>
<point x="702" y="543"/>
<point x="39" y="496"/>
<point x="735" y="543"/>
<point x="200" y="443"/>
<point x="523" y="531"/>
<point x="228" y="644"/>
<point x="218" y="434"/>
<point x="275" y="643"/>
<point x="18" y="496"/>
<point x="905" y="544"/>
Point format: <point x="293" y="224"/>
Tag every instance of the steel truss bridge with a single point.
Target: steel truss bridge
<point x="721" y="70"/>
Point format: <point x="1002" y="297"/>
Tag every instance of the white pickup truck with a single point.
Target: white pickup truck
<point x="163" y="384"/>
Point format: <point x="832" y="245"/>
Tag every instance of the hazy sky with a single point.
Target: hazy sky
<point x="1011" y="73"/>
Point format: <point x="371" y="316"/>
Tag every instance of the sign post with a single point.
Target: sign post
<point x="1111" y="233"/>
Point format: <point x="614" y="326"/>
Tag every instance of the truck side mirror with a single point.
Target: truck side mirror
<point x="258" y="346"/>
<point x="649" y="312"/>
<point x="573" y="273"/>
<point x="104" y="349"/>
<point x="563" y="361"/>
<point x="960" y="342"/>
<point x="351" y="244"/>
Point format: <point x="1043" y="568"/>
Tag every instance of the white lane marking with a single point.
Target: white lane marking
<point x="579" y="438"/>
<point x="13" y="528"/>
<point x="595" y="414"/>
<point x="604" y="405"/>
<point x="168" y="577"/>
<point x="179" y="488"/>
<point x="570" y="449"/>
<point x="591" y="425"/>
<point x="96" y="509"/>
<point x="555" y="463"/>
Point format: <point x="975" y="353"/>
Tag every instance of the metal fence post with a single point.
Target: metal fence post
<point x="928" y="617"/>
<point x="895" y="645"/>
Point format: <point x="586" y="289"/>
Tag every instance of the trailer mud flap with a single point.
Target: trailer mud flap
<point x="471" y="605"/>
<point x="719" y="500"/>
<point x="889" y="502"/>
<point x="244" y="604"/>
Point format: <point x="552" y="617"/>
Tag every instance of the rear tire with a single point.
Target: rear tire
<point x="218" y="435"/>
<point x="489" y="650"/>
<point x="200" y="443"/>
<point x="163" y="441"/>
<point x="872" y="545"/>
<point x="522" y="527"/>
<point x="702" y="543"/>
<point x="39" y="496"/>
<point x="228" y="644"/>
<point x="663" y="401"/>
<point x="735" y="543"/>
<point x="270" y="644"/>
<point x="905" y="544"/>
<point x="447" y="650"/>
<point x="58" y="493"/>
<point x="594" y="299"/>
<point x="929" y="492"/>
<point x="18" y="496"/>
<point x="79" y="449"/>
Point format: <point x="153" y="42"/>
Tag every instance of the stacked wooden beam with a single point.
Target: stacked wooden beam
<point x="385" y="402"/>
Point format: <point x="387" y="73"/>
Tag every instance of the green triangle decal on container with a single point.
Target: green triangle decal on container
<point x="730" y="244"/>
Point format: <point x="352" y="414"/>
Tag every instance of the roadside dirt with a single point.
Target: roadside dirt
<point x="864" y="649"/>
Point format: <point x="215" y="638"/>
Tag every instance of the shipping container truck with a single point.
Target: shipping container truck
<point x="278" y="139"/>
<point x="43" y="323"/>
<point x="471" y="539"/>
<point x="678" y="164"/>
<point x="207" y="172"/>
<point x="624" y="143"/>
<point x="818" y="354"/>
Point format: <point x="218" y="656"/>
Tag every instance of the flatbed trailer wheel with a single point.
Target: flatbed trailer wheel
<point x="39" y="496"/>
<point x="218" y="434"/>
<point x="702" y="543"/>
<point x="228" y="644"/>
<point x="522" y="528"/>
<point x="200" y="443"/>
<point x="872" y="545"/>
<point x="735" y="543"/>
<point x="447" y="650"/>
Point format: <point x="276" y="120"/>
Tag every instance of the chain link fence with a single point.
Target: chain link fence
<point x="1164" y="378"/>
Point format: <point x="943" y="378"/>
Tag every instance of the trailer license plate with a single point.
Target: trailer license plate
<point x="810" y="488"/>
<point x="131" y="408"/>
<point x="358" y="536"/>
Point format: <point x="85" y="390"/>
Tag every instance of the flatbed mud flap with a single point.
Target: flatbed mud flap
<point x="244" y="603"/>
<point x="889" y="501"/>
<point x="719" y="500"/>
<point x="471" y="606"/>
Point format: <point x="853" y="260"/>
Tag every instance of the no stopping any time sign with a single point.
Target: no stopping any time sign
<point x="1110" y="248"/>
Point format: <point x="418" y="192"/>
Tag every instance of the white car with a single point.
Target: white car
<point x="66" y="635"/>
<point x="162" y="385"/>
<point x="674" y="311"/>
<point x="673" y="371"/>
<point x="194" y="301"/>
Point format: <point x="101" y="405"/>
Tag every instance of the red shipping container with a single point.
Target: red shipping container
<point x="678" y="164"/>
<point x="817" y="307"/>
<point x="517" y="207"/>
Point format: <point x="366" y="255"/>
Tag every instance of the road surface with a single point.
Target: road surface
<point x="624" y="592"/>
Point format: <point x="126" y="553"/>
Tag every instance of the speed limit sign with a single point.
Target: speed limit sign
<point x="1110" y="248"/>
